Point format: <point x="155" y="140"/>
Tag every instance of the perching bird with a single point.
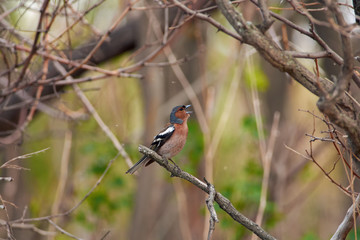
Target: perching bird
<point x="171" y="140"/>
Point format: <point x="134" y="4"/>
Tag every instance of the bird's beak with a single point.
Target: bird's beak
<point x="187" y="106"/>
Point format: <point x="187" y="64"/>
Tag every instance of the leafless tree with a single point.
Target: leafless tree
<point x="37" y="69"/>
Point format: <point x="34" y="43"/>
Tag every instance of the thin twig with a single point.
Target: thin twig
<point x="104" y="37"/>
<point x="207" y="19"/>
<point x="267" y="21"/>
<point x="62" y="230"/>
<point x="33" y="228"/>
<point x="28" y="155"/>
<point x="314" y="138"/>
<point x="311" y="158"/>
<point x="34" y="46"/>
<point x="102" y="125"/>
<point x="76" y="206"/>
<point x="105" y="235"/>
<point x="348" y="66"/>
<point x="91" y="109"/>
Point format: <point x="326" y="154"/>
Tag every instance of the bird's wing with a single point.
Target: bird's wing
<point x="162" y="137"/>
<point x="158" y="141"/>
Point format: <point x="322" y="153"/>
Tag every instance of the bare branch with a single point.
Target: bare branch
<point x="7" y="164"/>
<point x="311" y="55"/>
<point x="348" y="222"/>
<point x="267" y="21"/>
<point x="34" y="46"/>
<point x="210" y="205"/>
<point x="70" y="211"/>
<point x="206" y="18"/>
<point x="104" y="37"/>
<point x="62" y="230"/>
<point x="223" y="202"/>
<point x="103" y="126"/>
<point x="96" y="116"/>
<point x="32" y="227"/>
<point x="348" y="65"/>
<point x="269" y="50"/>
<point x="311" y="158"/>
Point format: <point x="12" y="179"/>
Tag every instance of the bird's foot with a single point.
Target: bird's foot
<point x="178" y="169"/>
<point x="173" y="163"/>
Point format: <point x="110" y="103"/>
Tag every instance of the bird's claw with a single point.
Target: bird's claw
<point x="175" y="165"/>
<point x="173" y="162"/>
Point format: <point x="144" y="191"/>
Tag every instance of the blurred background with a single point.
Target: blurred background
<point x="247" y="133"/>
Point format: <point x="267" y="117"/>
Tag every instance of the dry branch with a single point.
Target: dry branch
<point x="223" y="202"/>
<point x="348" y="222"/>
<point x="338" y="110"/>
<point x="210" y="205"/>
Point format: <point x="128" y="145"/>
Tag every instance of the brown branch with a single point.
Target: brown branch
<point x="104" y="37"/>
<point x="337" y="106"/>
<point x="348" y="222"/>
<point x="34" y="46"/>
<point x="31" y="227"/>
<point x="207" y="19"/>
<point x="210" y="205"/>
<point x="310" y="55"/>
<point x="311" y="158"/>
<point x="223" y="202"/>
<point x="9" y="163"/>
<point x="313" y="35"/>
<point x="62" y="230"/>
<point x="69" y="63"/>
<point x="267" y="21"/>
<point x="250" y="34"/>
<point x="81" y="17"/>
<point x="334" y="138"/>
<point x="327" y="103"/>
<point x="348" y="65"/>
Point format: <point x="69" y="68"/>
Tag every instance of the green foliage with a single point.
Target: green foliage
<point x="310" y="236"/>
<point x="352" y="235"/>
<point x="272" y="215"/>
<point x="81" y="217"/>
<point x="113" y="194"/>
<point x="249" y="125"/>
<point x="194" y="148"/>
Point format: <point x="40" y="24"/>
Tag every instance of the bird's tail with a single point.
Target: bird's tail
<point x="138" y="165"/>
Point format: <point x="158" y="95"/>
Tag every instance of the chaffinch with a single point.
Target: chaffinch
<point x="171" y="140"/>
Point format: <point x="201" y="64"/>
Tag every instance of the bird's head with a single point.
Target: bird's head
<point x="179" y="114"/>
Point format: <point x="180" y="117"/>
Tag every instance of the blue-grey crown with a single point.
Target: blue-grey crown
<point x="173" y="118"/>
